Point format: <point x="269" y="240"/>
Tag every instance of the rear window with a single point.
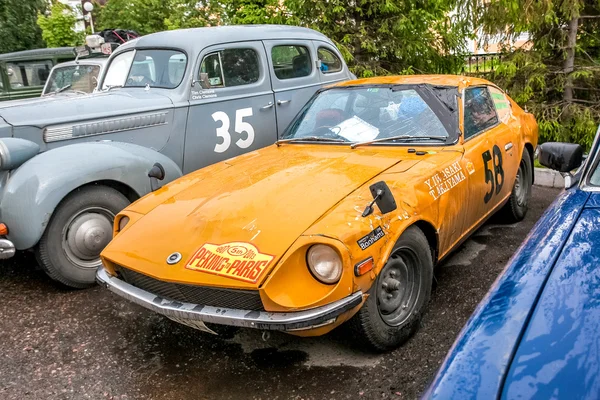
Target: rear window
<point x="291" y="61"/>
<point x="28" y="73"/>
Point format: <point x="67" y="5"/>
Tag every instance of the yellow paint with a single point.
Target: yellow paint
<point x="278" y="201"/>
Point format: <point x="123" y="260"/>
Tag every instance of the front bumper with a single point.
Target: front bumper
<point x="7" y="249"/>
<point x="277" y="321"/>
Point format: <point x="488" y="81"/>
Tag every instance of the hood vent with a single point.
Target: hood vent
<point x="103" y="126"/>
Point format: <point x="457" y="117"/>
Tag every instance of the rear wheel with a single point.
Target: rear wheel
<point x="80" y="228"/>
<point x="518" y="202"/>
<point x="399" y="297"/>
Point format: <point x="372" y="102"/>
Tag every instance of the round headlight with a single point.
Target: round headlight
<point x="123" y="222"/>
<point x="324" y="263"/>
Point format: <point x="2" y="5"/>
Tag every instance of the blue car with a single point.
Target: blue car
<point x="536" y="335"/>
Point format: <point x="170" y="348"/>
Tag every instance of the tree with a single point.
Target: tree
<point x="558" y="78"/>
<point x="18" y="27"/>
<point x="58" y="27"/>
<point x="380" y="37"/>
<point x="143" y="16"/>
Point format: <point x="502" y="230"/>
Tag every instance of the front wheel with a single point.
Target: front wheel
<point x="518" y="202"/>
<point x="399" y="297"/>
<point x="80" y="228"/>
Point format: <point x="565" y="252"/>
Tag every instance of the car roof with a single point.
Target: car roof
<point x="84" y="61"/>
<point x="193" y="40"/>
<point x="441" y="80"/>
<point x="38" y="53"/>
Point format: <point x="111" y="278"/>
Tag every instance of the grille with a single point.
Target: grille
<point x="206" y="296"/>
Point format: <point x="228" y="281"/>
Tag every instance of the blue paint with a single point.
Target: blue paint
<point x="559" y="355"/>
<point x="482" y="354"/>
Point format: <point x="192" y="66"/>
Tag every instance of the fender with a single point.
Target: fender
<point x="35" y="189"/>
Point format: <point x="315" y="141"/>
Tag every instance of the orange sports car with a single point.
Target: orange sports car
<point x="342" y="220"/>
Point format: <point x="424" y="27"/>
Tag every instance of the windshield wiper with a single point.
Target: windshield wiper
<point x="400" y="137"/>
<point x="109" y="87"/>
<point x="309" y="139"/>
<point x="62" y="89"/>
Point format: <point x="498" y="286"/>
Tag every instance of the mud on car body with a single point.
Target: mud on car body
<point x="182" y="99"/>
<point x="341" y="220"/>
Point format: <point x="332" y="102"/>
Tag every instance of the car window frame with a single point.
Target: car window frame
<point x="52" y="62"/>
<point x="221" y="49"/>
<point x="482" y="131"/>
<point x="310" y="61"/>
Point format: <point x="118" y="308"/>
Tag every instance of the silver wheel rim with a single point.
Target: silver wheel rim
<point x="86" y="234"/>
<point x="399" y="287"/>
<point x="522" y="185"/>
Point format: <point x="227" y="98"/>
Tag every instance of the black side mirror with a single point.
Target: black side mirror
<point x="156" y="173"/>
<point x="562" y="157"/>
<point x="382" y="195"/>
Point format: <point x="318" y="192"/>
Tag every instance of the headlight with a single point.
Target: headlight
<point x="123" y="222"/>
<point x="324" y="263"/>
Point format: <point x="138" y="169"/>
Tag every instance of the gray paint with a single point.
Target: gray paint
<point x="177" y="127"/>
<point x="14" y="152"/>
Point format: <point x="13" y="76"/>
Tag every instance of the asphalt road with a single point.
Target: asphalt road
<point x="62" y="344"/>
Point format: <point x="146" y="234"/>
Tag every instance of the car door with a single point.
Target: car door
<point x="483" y="157"/>
<point x="231" y="105"/>
<point x="294" y="76"/>
<point x="330" y="65"/>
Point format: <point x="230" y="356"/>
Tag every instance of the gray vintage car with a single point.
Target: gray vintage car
<point x="169" y="103"/>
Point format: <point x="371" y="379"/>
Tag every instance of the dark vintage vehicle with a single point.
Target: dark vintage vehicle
<point x="168" y="103"/>
<point x="535" y="334"/>
<point x="23" y="74"/>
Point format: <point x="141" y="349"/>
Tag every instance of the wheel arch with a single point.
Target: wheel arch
<point x="531" y="151"/>
<point x="432" y="237"/>
<point x="34" y="190"/>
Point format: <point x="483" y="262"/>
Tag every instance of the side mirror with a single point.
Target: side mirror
<point x="562" y="157"/>
<point x="156" y="173"/>
<point x="383" y="197"/>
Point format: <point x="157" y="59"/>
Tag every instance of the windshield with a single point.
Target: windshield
<point x="78" y="78"/>
<point x="138" y="68"/>
<point x="371" y="113"/>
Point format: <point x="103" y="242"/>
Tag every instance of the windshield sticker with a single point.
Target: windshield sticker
<point x="367" y="241"/>
<point x="356" y="129"/>
<point x="236" y="260"/>
<point x="445" y="180"/>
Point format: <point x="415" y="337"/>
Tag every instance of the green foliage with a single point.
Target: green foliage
<point x="379" y="37"/>
<point x="58" y="27"/>
<point x="18" y="27"/>
<point x="143" y="16"/>
<point x="539" y="78"/>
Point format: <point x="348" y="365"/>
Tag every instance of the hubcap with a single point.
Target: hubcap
<point x="398" y="287"/>
<point x="86" y="235"/>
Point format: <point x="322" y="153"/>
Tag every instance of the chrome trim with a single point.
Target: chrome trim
<point x="508" y="146"/>
<point x="103" y="126"/>
<point x="277" y="321"/>
<point x="7" y="249"/>
<point x="281" y="102"/>
<point x="174" y="258"/>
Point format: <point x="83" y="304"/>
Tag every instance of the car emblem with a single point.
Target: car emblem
<point x="174" y="258"/>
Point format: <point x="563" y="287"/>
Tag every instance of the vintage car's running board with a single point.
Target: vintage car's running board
<point x="278" y="321"/>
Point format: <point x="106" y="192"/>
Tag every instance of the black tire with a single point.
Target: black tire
<point x="518" y="203"/>
<point x="86" y="214"/>
<point x="379" y="326"/>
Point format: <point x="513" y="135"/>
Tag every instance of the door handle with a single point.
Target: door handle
<point x="267" y="106"/>
<point x="508" y="146"/>
<point x="281" y="102"/>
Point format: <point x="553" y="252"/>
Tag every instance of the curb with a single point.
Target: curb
<point x="548" y="178"/>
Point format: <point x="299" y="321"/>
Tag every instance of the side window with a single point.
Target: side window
<point x="28" y="73"/>
<point x="228" y="68"/>
<point x="291" y="61"/>
<point x="503" y="107"/>
<point x="480" y="112"/>
<point x="330" y="62"/>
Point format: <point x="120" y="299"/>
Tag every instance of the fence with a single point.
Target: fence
<point x="481" y="64"/>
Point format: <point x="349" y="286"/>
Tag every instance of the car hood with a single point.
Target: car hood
<point x="266" y="198"/>
<point x="559" y="356"/>
<point x="50" y="110"/>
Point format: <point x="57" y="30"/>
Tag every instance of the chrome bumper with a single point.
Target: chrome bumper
<point x="7" y="249"/>
<point x="277" y="321"/>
